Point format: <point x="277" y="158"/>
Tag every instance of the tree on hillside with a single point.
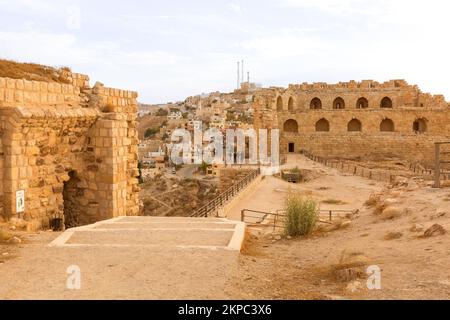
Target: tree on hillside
<point x="162" y="113"/>
<point x="151" y="132"/>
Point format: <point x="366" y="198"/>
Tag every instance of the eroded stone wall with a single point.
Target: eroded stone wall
<point x="1" y="170"/>
<point x="71" y="148"/>
<point x="366" y="120"/>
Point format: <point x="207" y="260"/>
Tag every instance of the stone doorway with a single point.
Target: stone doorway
<point x="291" y="147"/>
<point x="71" y="196"/>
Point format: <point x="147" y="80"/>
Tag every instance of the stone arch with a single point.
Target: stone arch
<point x="290" y="126"/>
<point x="362" y="103"/>
<point x="291" y="104"/>
<point x="386" y="102"/>
<point x="420" y="125"/>
<point x="279" y="104"/>
<point x="354" y="126"/>
<point x="322" y="125"/>
<point x="387" y="125"/>
<point x="316" y="103"/>
<point x="339" y="103"/>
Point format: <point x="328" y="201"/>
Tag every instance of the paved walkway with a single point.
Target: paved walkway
<point x="129" y="258"/>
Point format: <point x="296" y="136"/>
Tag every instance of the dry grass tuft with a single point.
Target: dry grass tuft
<point x="373" y="200"/>
<point x="31" y="71"/>
<point x="393" y="236"/>
<point x="334" y="202"/>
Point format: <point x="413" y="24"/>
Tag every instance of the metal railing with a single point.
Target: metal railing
<point x="213" y="206"/>
<point x="258" y="217"/>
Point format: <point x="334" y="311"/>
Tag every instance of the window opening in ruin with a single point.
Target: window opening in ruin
<point x="279" y="104"/>
<point x="316" y="103"/>
<point x="291" y="126"/>
<point x="386" y="103"/>
<point x="387" y="125"/>
<point x="354" y="126"/>
<point x="339" y="103"/>
<point x="362" y="103"/>
<point x="420" y="126"/>
<point x="322" y="125"/>
<point x="291" y="147"/>
<point x="291" y="104"/>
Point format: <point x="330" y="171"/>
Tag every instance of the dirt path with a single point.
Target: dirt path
<point x="135" y="258"/>
<point x="412" y="267"/>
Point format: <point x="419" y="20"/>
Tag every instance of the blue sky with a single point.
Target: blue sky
<point x="168" y="50"/>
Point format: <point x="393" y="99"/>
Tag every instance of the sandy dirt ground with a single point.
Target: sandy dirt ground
<point x="127" y="263"/>
<point x="388" y="232"/>
<point x="412" y="266"/>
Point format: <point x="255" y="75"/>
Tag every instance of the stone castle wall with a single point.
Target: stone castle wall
<point x="71" y="148"/>
<point x="1" y="169"/>
<point x="374" y="121"/>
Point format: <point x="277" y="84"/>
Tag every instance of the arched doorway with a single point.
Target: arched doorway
<point x="290" y="126"/>
<point x="387" y="125"/>
<point x="354" y="126"/>
<point x="322" y="125"/>
<point x="74" y="211"/>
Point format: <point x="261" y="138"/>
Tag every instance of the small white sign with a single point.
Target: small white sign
<point x="20" y="201"/>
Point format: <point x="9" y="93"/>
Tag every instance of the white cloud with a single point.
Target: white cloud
<point x="235" y="8"/>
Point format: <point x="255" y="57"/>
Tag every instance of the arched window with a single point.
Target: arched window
<point x="290" y="126"/>
<point x="339" y="103"/>
<point x="279" y="104"/>
<point x="362" y="103"/>
<point x="387" y="125"/>
<point x="322" y="125"/>
<point x="316" y="103"/>
<point x="386" y="103"/>
<point x="420" y="125"/>
<point x="354" y="126"/>
<point x="291" y="104"/>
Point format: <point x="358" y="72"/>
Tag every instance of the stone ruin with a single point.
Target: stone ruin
<point x="67" y="150"/>
<point x="356" y="120"/>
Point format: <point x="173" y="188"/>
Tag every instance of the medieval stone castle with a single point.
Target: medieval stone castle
<point x="366" y="120"/>
<point x="67" y="150"/>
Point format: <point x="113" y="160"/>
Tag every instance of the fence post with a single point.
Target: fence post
<point x="437" y="178"/>
<point x="242" y="215"/>
<point x="331" y="215"/>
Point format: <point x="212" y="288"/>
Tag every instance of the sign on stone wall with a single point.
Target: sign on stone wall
<point x="20" y="201"/>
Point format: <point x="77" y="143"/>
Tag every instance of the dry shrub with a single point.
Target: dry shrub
<point x="334" y="202"/>
<point x="301" y="215"/>
<point x="373" y="201"/>
<point x="393" y="236"/>
<point x="351" y="266"/>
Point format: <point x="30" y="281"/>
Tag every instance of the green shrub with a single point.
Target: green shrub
<point x="301" y="215"/>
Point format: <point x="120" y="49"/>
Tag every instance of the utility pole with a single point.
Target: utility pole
<point x="238" y="75"/>
<point x="242" y="71"/>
